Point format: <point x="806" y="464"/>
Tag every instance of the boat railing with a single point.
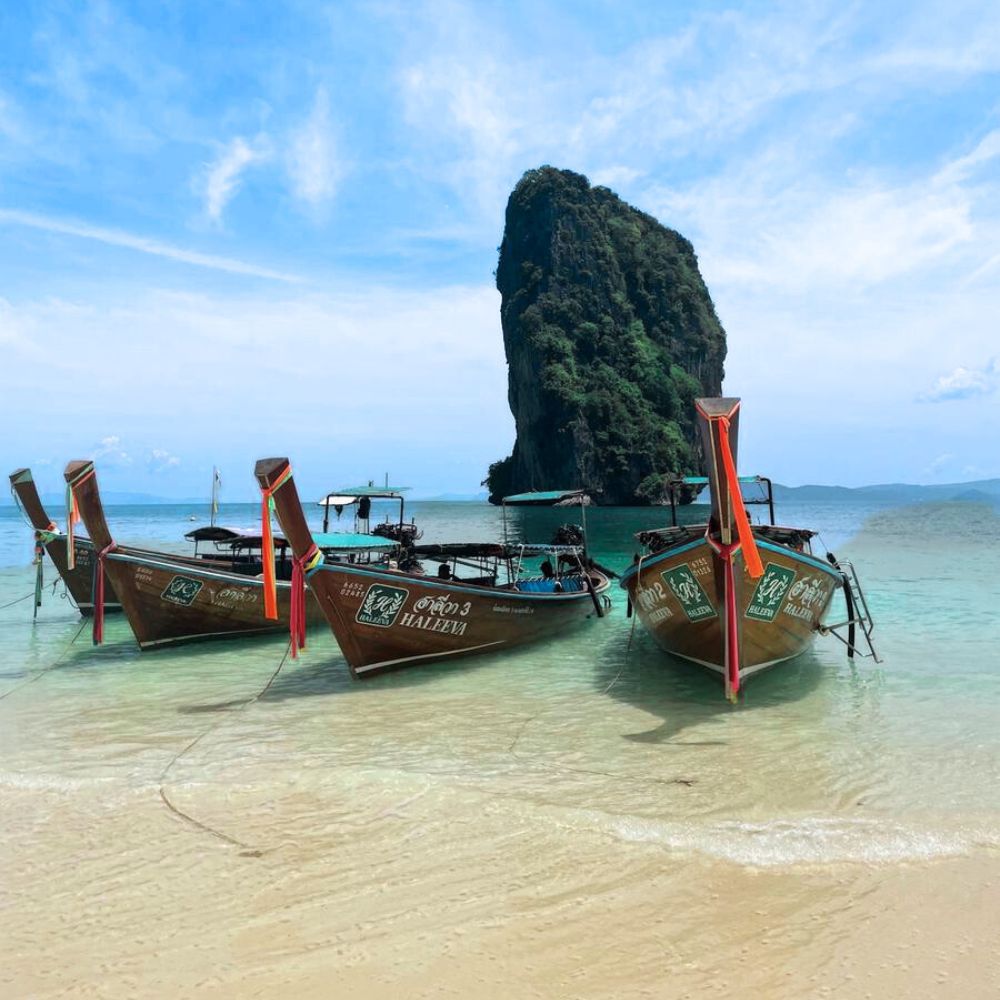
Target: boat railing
<point x="858" y="613"/>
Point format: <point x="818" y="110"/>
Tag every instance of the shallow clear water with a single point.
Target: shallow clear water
<point x="823" y="758"/>
<point x="589" y="763"/>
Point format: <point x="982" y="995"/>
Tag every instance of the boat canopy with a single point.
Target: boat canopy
<point x="332" y="541"/>
<point x="703" y="480"/>
<point x="490" y="550"/>
<point x="352" y="494"/>
<point x="346" y="540"/>
<point x="219" y="533"/>
<point x="542" y="497"/>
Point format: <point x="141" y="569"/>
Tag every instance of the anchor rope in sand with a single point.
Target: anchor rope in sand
<point x="249" y="849"/>
<point x="55" y="663"/>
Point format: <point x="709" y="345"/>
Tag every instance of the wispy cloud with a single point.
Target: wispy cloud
<point x="313" y="164"/>
<point x="964" y="383"/>
<point x="142" y="244"/>
<point x="109" y="451"/>
<point x="222" y="176"/>
<point x="160" y="460"/>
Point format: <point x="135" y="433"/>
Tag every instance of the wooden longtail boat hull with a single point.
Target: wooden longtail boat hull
<point x="384" y="620"/>
<point x="174" y="599"/>
<point x="170" y="602"/>
<point x="738" y="599"/>
<point x="79" y="580"/>
<point x="678" y="595"/>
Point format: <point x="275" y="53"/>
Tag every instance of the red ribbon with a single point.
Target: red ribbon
<point x="98" y="589"/>
<point x="297" y="617"/>
<point x="732" y="624"/>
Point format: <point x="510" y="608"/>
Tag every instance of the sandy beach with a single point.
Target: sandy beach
<point x="577" y="819"/>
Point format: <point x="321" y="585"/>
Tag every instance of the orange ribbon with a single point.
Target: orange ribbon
<point x="751" y="557"/>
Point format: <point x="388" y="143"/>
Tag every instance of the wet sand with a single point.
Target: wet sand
<point x="395" y="885"/>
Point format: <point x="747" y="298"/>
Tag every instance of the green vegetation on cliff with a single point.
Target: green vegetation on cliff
<point x="610" y="335"/>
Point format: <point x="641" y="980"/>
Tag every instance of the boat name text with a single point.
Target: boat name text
<point x="442" y="606"/>
<point x="432" y="624"/>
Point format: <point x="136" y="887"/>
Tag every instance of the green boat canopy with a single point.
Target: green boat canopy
<point x="703" y="480"/>
<point x="352" y="493"/>
<point x="541" y="497"/>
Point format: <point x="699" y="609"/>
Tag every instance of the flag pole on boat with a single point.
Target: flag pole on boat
<point x="216" y="486"/>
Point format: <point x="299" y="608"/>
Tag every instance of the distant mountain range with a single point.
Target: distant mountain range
<point x="114" y="498"/>
<point x="982" y="490"/>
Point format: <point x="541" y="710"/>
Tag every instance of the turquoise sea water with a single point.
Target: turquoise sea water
<point x="823" y="762"/>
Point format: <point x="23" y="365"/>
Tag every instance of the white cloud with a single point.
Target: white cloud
<point x="313" y="165"/>
<point x="939" y="464"/>
<point x="964" y="383"/>
<point x="142" y="244"/>
<point x="109" y="451"/>
<point x="160" y="460"/>
<point x="615" y="176"/>
<point x="435" y="398"/>
<point x="222" y="176"/>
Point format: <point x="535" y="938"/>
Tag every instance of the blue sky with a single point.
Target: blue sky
<point x="237" y="229"/>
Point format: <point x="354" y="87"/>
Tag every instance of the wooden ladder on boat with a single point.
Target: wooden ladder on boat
<point x="858" y="613"/>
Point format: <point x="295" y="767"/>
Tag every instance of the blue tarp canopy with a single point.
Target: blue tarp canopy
<point x="542" y="497"/>
<point x="349" y="540"/>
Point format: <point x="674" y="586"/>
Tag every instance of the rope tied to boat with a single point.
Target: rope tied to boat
<point x="73" y="512"/>
<point x="98" y="591"/>
<point x="301" y="568"/>
<point x="267" y="542"/>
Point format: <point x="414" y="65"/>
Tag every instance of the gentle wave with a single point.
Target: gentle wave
<point x="812" y="840"/>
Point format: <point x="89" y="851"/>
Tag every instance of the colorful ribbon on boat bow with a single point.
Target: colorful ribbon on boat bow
<point x="751" y="557"/>
<point x="73" y="513"/>
<point x="301" y="568"/>
<point x="98" y="592"/>
<point x="267" y="542"/>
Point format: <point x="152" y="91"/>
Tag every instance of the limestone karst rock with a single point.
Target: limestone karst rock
<point x="610" y="335"/>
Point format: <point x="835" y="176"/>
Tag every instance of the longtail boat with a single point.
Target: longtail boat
<point x="385" y="618"/>
<point x="170" y="599"/>
<point x="73" y="557"/>
<point x="733" y="597"/>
